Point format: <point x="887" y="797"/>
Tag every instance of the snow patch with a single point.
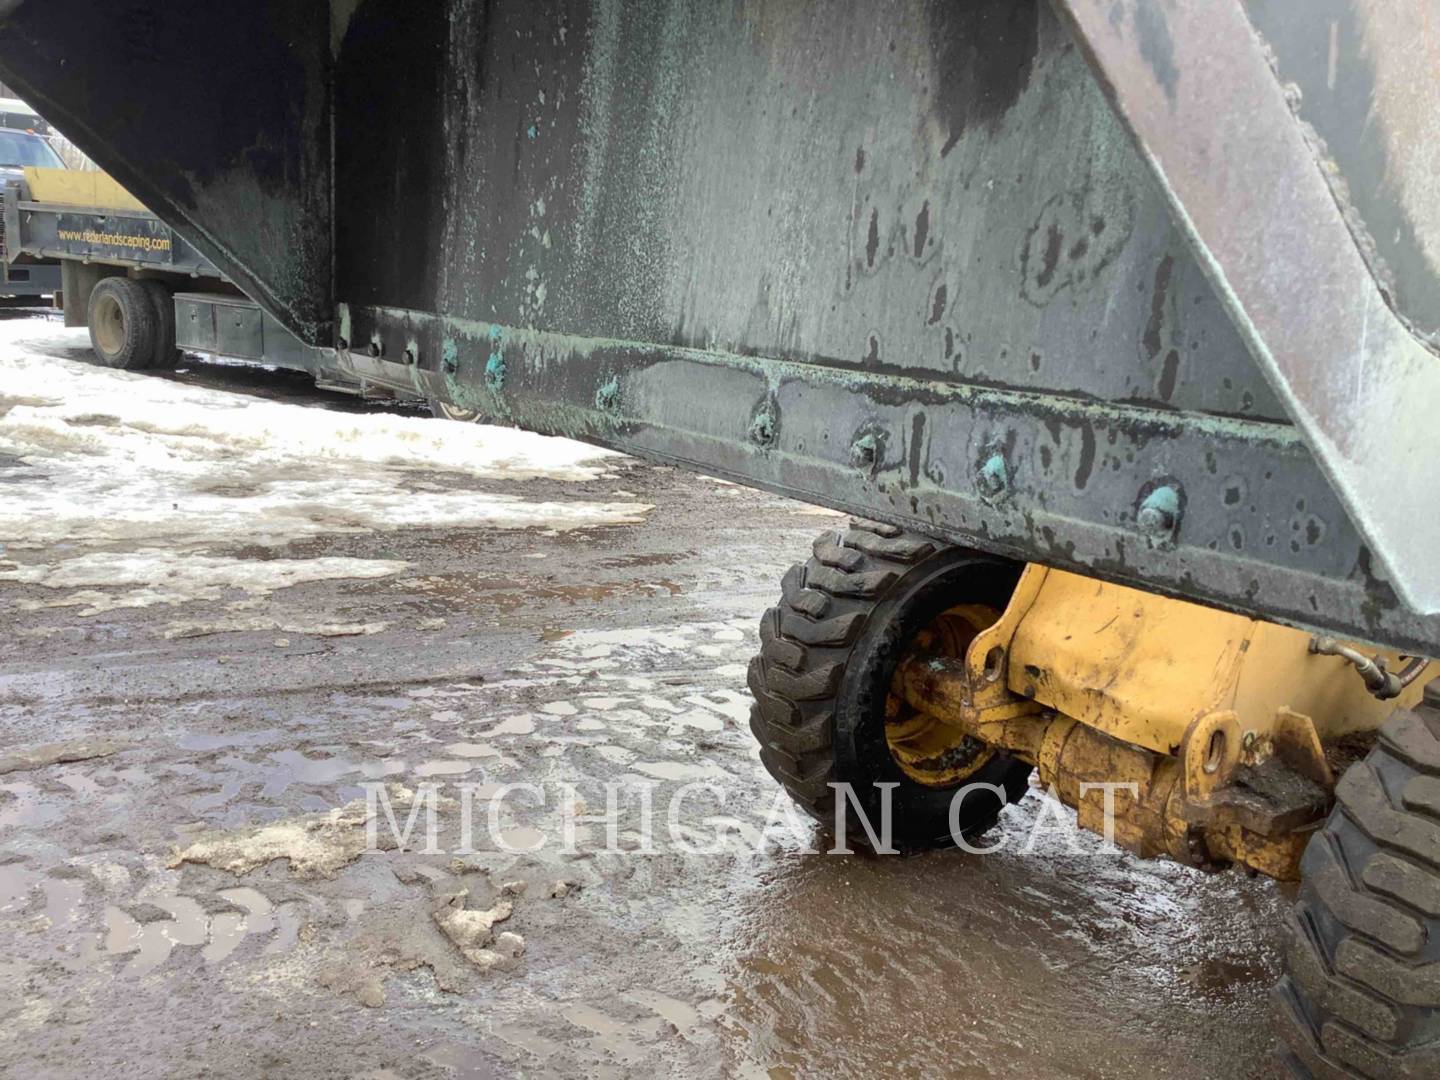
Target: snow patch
<point x="117" y="456"/>
<point x="170" y="413"/>
<point x="158" y="576"/>
<point x="316" y="845"/>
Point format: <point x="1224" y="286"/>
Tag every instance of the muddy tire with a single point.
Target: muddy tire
<point x="444" y="411"/>
<point x="162" y="300"/>
<point x="1361" y="993"/>
<point x="123" y="331"/>
<point x="828" y="652"/>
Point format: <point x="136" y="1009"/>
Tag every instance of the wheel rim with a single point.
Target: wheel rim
<point x="108" y="322"/>
<point x="451" y="412"/>
<point x="928" y="750"/>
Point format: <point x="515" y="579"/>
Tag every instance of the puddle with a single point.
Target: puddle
<point x="227" y="931"/>
<point x="203" y="741"/>
<point x="679" y="770"/>
<point x="471" y="750"/>
<point x="63" y="897"/>
<point x="25" y="804"/>
<point x="229" y="928"/>
<point x="522" y="839"/>
<point x="16" y="885"/>
<point x="516" y="725"/>
<point x="614" y="1039"/>
<point x="257" y="908"/>
<point x="444" y="768"/>
<point x="149" y="944"/>
<point x="617" y="755"/>
<point x="281" y="770"/>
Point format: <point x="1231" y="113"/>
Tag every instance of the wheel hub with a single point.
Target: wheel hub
<point x="110" y="325"/>
<point x="927" y="749"/>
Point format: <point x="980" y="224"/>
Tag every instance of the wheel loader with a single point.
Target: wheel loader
<point x="1113" y="323"/>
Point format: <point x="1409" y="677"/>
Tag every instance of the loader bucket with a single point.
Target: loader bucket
<point x="1148" y="289"/>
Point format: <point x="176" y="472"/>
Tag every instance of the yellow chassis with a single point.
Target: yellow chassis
<point x="1224" y="734"/>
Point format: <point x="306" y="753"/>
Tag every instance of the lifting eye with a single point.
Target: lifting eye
<point x="1215" y="752"/>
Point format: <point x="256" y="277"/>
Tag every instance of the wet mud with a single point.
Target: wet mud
<point x="181" y="890"/>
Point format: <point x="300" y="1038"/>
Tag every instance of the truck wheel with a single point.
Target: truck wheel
<point x="826" y="711"/>
<point x="1361" y="993"/>
<point x="444" y="411"/>
<point x="122" y="324"/>
<point x="163" y="301"/>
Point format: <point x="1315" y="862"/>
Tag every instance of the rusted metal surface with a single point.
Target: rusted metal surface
<point x="1193" y="82"/>
<point x="1261" y="530"/>
<point x="898" y="258"/>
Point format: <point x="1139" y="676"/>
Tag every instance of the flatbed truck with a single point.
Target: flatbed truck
<point x="145" y="293"/>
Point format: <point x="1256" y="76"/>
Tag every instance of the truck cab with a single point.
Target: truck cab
<point x="15" y="114"/>
<point x="26" y="278"/>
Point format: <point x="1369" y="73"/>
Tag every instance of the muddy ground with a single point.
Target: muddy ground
<point x="183" y="889"/>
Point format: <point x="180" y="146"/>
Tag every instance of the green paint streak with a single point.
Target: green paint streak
<point x="495" y="372"/>
<point x="460" y="392"/>
<point x="495" y="364"/>
<point x="607" y="396"/>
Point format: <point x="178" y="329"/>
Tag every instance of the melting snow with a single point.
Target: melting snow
<point x="159" y="576"/>
<point x="110" y="457"/>
<point x="133" y="457"/>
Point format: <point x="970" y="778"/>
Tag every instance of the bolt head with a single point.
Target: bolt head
<point x="1155" y="521"/>
<point x="1159" y="514"/>
<point x="863" y="451"/>
<point x="993" y="477"/>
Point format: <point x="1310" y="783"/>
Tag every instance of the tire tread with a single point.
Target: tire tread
<point x="805" y="645"/>
<point x="1361" y="995"/>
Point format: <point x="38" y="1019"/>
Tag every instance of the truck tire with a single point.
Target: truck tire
<point x="1361" y="992"/>
<point x="122" y="324"/>
<point x="163" y="301"/>
<point x="828" y="653"/>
